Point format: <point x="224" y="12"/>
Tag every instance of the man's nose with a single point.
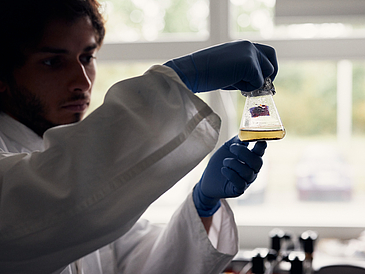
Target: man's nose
<point x="80" y="80"/>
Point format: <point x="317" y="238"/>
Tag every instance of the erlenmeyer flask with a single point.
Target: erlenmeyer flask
<point x="260" y="118"/>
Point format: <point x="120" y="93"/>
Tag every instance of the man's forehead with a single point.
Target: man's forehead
<point x="61" y="36"/>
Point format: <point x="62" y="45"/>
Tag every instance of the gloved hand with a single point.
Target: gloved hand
<point x="230" y="171"/>
<point x="239" y="65"/>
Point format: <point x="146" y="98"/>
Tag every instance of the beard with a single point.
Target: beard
<point x="30" y="110"/>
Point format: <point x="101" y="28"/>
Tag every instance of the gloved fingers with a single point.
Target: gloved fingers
<point x="235" y="185"/>
<point x="270" y="54"/>
<point x="259" y="148"/>
<point x="253" y="81"/>
<point x="260" y="63"/>
<point x="241" y="169"/>
<point x="267" y="66"/>
<point x="267" y="69"/>
<point x="245" y="155"/>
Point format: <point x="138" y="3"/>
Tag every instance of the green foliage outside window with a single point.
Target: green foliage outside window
<point x="138" y="20"/>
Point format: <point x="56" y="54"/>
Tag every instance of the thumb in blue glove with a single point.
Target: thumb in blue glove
<point x="230" y="171"/>
<point x="240" y="65"/>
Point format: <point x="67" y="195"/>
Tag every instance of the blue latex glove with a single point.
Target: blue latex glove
<point x="230" y="171"/>
<point x="239" y="65"/>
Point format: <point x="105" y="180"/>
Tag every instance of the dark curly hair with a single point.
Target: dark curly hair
<point x="22" y="23"/>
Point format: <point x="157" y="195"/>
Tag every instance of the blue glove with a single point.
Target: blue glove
<point x="239" y="65"/>
<point x="230" y="171"/>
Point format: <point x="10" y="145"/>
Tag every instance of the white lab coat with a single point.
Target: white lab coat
<point x="82" y="188"/>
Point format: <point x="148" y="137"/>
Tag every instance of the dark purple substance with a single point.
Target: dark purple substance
<point x="261" y="110"/>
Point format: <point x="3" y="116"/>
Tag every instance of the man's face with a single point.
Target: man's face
<point x="54" y="85"/>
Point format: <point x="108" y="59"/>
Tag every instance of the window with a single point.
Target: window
<point x="149" y="20"/>
<point x="320" y="98"/>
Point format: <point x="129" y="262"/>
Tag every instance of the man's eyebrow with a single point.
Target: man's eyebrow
<point x="64" y="51"/>
<point x="91" y="47"/>
<point x="51" y="50"/>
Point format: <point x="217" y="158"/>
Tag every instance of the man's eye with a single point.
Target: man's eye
<point x="87" y="59"/>
<point x="52" y="62"/>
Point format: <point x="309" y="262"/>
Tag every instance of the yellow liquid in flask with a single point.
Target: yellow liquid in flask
<point x="256" y="135"/>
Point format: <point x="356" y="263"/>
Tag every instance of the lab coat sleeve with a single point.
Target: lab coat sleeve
<point x="95" y="178"/>
<point x="182" y="246"/>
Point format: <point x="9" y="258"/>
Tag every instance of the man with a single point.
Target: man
<point x="72" y="190"/>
